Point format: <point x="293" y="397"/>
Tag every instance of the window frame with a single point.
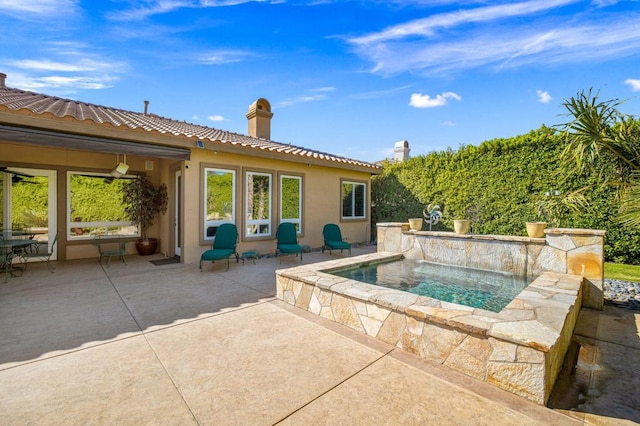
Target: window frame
<point x="71" y="224"/>
<point x="300" y="220"/>
<point x="204" y="223"/>
<point x="272" y="194"/>
<point x="354" y="183"/>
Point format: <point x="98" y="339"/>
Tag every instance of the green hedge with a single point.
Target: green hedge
<point x="498" y="185"/>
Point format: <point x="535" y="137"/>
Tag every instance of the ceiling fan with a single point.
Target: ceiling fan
<point x="20" y="179"/>
<point x="6" y="169"/>
<point x="16" y="176"/>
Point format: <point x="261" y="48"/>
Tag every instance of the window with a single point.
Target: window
<point x="353" y="200"/>
<point x="95" y="206"/>
<point x="220" y="199"/>
<point x="258" y="204"/>
<point x="291" y="200"/>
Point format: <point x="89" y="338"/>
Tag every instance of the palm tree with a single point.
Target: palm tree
<point x="599" y="134"/>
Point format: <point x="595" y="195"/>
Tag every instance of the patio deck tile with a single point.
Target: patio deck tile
<point x="49" y="317"/>
<point x="137" y="343"/>
<point x="256" y="365"/>
<point x="165" y="297"/>
<point x="121" y="382"/>
<point x="390" y="392"/>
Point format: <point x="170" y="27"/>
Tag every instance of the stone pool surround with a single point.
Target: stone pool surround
<point x="520" y="349"/>
<point x="563" y="250"/>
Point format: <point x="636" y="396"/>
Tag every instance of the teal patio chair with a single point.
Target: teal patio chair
<point x="110" y="245"/>
<point x="224" y="245"/>
<point x="40" y="251"/>
<point x="333" y="239"/>
<point x="287" y="237"/>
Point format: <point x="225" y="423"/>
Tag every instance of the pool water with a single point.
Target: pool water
<point x="487" y="290"/>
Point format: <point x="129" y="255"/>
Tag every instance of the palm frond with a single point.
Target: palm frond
<point x="597" y="129"/>
<point x="630" y="202"/>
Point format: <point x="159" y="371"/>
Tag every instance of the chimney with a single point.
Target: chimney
<point x="259" y="117"/>
<point x="401" y="151"/>
<point x="3" y="78"/>
<point x="146" y="107"/>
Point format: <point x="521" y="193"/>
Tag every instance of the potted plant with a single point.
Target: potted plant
<point x="536" y="229"/>
<point x="415" y="223"/>
<point x="461" y="226"/>
<point x="546" y="207"/>
<point x="554" y="205"/>
<point x="143" y="202"/>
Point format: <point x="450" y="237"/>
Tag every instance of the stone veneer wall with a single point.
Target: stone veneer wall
<point x="520" y="349"/>
<point x="567" y="251"/>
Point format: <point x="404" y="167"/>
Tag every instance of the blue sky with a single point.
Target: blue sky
<point x="346" y="77"/>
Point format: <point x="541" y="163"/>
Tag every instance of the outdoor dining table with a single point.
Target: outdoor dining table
<point x="9" y="246"/>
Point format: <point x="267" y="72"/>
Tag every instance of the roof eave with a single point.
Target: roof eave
<point x="89" y="128"/>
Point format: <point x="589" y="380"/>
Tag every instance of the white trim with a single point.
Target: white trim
<point x="297" y="220"/>
<point x="71" y="224"/>
<point x="217" y="222"/>
<point x="353" y="200"/>
<point x="258" y="224"/>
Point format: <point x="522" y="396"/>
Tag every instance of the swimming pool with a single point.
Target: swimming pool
<point x="464" y="286"/>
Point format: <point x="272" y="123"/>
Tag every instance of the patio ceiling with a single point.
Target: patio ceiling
<point x="89" y="143"/>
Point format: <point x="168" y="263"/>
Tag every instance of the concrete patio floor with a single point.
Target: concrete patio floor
<point x="137" y="343"/>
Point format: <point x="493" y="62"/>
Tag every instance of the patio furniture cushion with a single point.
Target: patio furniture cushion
<point x="287" y="237"/>
<point x="216" y="254"/>
<point x="333" y="239"/>
<point x="289" y="248"/>
<point x="224" y="245"/>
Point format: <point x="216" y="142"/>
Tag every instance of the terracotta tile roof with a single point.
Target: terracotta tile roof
<point x="36" y="103"/>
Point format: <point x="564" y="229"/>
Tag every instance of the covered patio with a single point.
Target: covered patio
<point x="137" y="343"/>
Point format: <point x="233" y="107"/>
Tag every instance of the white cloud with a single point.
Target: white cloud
<point x="425" y="101"/>
<point x="500" y="37"/>
<point x="75" y="66"/>
<point x="27" y="9"/>
<point x="76" y="82"/>
<point x="634" y="83"/>
<point x="428" y="26"/>
<point x="164" y="6"/>
<point x="543" y="96"/>
<point x="604" y="3"/>
<point x="325" y="89"/>
<point x="319" y="95"/>
<point x="152" y="8"/>
<point x="216" y="118"/>
<point x="68" y="67"/>
<point x="62" y="84"/>
<point x="448" y="123"/>
<point x="195" y="118"/>
<point x="300" y="99"/>
<point x="219" y="57"/>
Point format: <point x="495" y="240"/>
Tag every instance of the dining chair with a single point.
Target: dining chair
<point x="40" y="251"/>
<point x="120" y="249"/>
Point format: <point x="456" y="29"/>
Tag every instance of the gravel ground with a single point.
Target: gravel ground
<point x="623" y="294"/>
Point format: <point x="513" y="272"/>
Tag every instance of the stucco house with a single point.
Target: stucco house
<point x="213" y="176"/>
